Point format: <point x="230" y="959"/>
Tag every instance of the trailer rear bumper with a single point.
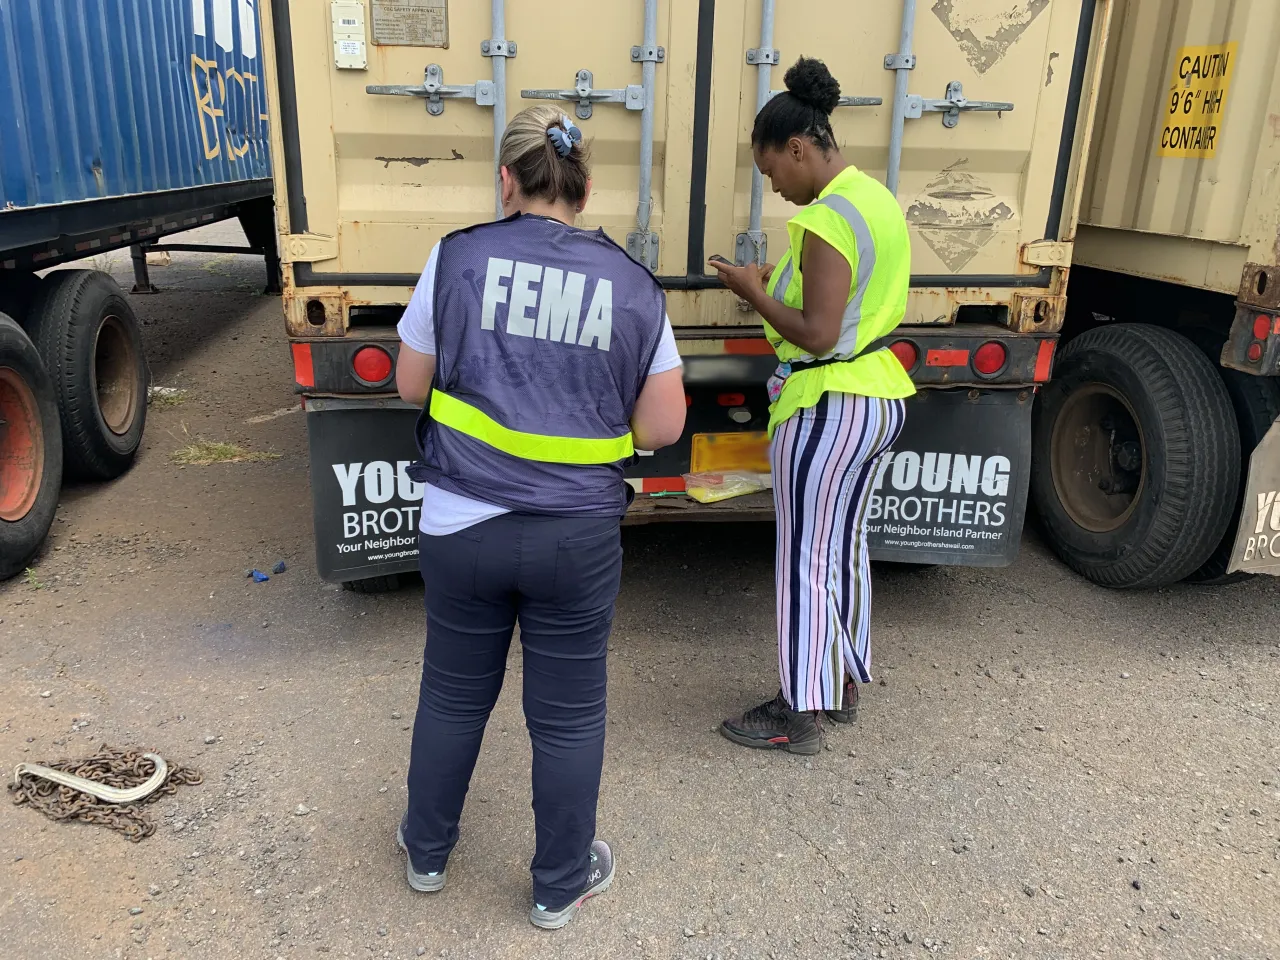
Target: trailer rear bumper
<point x="952" y="491"/>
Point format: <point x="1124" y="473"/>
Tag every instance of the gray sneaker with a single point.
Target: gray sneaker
<point x="422" y="882"/>
<point x="599" y="876"/>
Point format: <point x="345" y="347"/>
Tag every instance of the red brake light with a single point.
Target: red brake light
<point x="731" y="399"/>
<point x="372" y="364"/>
<point x="1261" y="327"/>
<point x="1255" y="352"/>
<point x="906" y="353"/>
<point x="990" y="358"/>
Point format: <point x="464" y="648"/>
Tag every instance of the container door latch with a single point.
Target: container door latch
<point x="434" y="90"/>
<point x="951" y="107"/>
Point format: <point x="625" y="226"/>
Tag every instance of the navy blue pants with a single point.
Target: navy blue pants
<point x="558" y="578"/>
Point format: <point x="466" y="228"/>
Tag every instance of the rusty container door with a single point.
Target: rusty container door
<point x="390" y="110"/>
<point x="987" y="94"/>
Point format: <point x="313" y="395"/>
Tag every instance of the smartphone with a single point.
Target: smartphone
<point x="719" y="259"/>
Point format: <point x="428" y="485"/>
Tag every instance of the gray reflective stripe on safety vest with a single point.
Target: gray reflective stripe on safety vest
<point x="784" y="280"/>
<point x="848" y="342"/>
<point x="847" y="345"/>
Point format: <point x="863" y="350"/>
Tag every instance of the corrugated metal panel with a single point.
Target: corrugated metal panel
<point x="102" y="98"/>
<point x="385" y="177"/>
<point x="1225" y="192"/>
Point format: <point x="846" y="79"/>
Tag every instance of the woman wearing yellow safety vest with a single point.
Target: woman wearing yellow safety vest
<point x="837" y="404"/>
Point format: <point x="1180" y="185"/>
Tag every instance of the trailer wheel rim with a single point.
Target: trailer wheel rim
<point x="1092" y="458"/>
<point x="21" y="447"/>
<point x="115" y="377"/>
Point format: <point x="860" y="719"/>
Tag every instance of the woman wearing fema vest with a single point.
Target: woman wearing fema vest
<point x="547" y="358"/>
<point x="837" y="404"/>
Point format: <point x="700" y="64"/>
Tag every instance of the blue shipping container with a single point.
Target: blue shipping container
<point x="108" y="98"/>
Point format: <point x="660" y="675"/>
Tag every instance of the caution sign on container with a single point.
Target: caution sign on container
<point x="1197" y="100"/>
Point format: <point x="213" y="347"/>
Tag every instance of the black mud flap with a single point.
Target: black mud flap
<point x="365" y="504"/>
<point x="1257" y="548"/>
<point x="954" y="488"/>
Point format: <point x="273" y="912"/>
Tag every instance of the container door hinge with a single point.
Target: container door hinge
<point x="1047" y="253"/>
<point x="497" y="48"/>
<point x="307" y="248"/>
<point x="750" y="247"/>
<point x="434" y="91"/>
<point x="643" y="248"/>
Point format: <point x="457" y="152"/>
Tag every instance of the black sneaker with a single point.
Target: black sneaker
<point x="599" y="876"/>
<point x="848" y="711"/>
<point x="775" y="726"/>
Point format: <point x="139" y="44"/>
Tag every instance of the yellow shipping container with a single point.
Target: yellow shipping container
<point x="1154" y="449"/>
<point x="1182" y="185"/>
<point x="385" y="115"/>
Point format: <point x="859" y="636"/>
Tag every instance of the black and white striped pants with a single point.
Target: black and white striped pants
<point x="824" y="461"/>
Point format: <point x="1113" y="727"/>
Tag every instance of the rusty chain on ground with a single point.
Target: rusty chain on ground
<point x="115" y="768"/>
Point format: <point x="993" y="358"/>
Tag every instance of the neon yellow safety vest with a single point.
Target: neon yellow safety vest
<point x="861" y="219"/>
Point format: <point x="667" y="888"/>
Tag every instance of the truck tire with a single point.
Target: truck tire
<point x="89" y="338"/>
<point x="1136" y="456"/>
<point x="1256" y="401"/>
<point x="30" y="450"/>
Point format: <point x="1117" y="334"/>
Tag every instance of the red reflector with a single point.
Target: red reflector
<point x="1255" y="352"/>
<point x="1044" y="360"/>
<point x="989" y="358"/>
<point x="688" y="401"/>
<point x="372" y="364"/>
<point x="1261" y="327"/>
<point x="753" y="347"/>
<point x="303" y="372"/>
<point x="906" y="353"/>
<point x="731" y="399"/>
<point x="946" y="358"/>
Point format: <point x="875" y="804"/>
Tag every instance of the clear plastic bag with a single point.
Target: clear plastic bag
<point x="714" y="487"/>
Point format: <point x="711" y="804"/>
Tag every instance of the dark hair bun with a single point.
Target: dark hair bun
<point x="810" y="82"/>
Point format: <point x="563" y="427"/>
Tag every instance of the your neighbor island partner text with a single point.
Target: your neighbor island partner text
<point x="940" y="500"/>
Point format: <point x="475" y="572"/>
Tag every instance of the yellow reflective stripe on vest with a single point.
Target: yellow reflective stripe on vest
<point x="475" y="423"/>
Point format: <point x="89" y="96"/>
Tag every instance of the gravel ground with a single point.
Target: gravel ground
<point x="1042" y="769"/>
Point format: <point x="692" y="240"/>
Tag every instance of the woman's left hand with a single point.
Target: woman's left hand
<point x="747" y="282"/>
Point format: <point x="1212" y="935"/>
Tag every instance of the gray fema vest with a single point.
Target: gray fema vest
<point x="548" y="330"/>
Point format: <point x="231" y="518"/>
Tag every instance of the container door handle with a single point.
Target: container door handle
<point x="434" y="90"/>
<point x="951" y="107"/>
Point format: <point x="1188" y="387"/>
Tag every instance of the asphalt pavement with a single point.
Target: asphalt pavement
<point x="1042" y="768"/>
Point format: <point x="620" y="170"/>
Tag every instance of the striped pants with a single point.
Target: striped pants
<point x="824" y="461"/>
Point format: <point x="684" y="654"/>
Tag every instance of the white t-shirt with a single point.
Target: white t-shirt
<point x="444" y="512"/>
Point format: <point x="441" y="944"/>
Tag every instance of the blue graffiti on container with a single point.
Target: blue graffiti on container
<point x="106" y="98"/>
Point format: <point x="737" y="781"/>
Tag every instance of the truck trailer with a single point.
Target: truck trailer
<point x="120" y="123"/>
<point x="386" y="115"/>
<point x="1166" y="384"/>
<point x="980" y="115"/>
